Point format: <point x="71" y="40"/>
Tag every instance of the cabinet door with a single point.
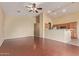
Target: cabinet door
<point x="73" y="27"/>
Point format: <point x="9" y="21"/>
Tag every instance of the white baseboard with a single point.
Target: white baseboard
<point x="12" y="37"/>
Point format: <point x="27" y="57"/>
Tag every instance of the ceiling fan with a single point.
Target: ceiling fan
<point x="33" y="8"/>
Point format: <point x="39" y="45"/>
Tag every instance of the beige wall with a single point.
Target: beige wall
<point x="74" y="17"/>
<point x="44" y="18"/>
<point x="23" y="26"/>
<point x="19" y="26"/>
<point x="15" y="26"/>
<point x="1" y="26"/>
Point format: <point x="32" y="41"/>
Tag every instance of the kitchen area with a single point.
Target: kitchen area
<point x="66" y="32"/>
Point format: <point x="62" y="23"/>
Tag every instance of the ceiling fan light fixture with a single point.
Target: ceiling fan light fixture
<point x="33" y="8"/>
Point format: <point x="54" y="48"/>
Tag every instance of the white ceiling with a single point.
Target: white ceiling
<point x="11" y="8"/>
<point x="56" y="8"/>
<point x="63" y="8"/>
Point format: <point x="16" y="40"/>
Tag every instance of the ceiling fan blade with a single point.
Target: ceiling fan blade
<point x="39" y="8"/>
<point x="36" y="11"/>
<point x="30" y="10"/>
<point x="27" y="7"/>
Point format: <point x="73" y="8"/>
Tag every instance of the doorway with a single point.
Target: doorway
<point x="36" y="30"/>
<point x="37" y="26"/>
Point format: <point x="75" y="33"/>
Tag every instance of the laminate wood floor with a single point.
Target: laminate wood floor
<point x="35" y="46"/>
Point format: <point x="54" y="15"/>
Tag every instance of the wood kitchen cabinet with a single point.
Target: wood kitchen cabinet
<point x="72" y="26"/>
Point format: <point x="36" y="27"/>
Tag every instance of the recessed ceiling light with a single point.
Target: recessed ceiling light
<point x="64" y="10"/>
<point x="18" y="11"/>
<point x="54" y="13"/>
<point x="49" y="11"/>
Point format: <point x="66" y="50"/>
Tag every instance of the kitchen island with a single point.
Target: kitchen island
<point x="62" y="35"/>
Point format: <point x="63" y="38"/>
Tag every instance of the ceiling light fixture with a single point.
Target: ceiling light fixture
<point x="64" y="10"/>
<point x="33" y="8"/>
